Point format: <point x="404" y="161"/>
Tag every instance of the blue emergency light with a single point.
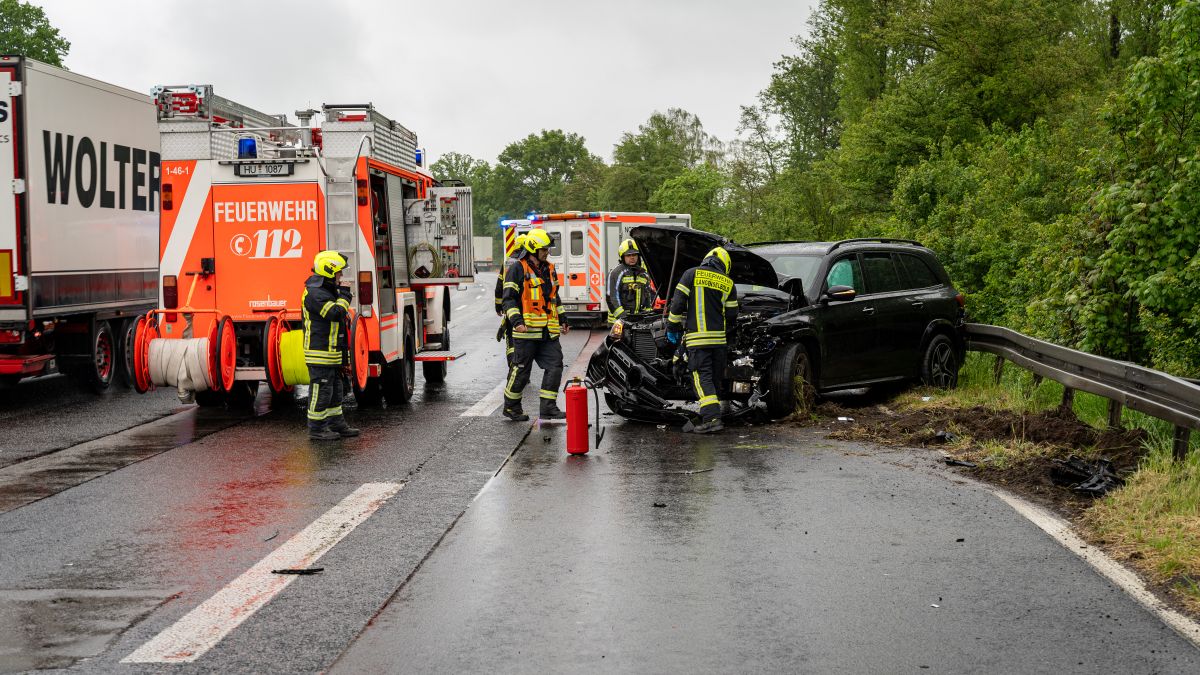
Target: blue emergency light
<point x="247" y="148"/>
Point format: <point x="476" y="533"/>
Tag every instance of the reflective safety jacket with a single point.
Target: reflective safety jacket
<point x="531" y="298"/>
<point x="706" y="303"/>
<point x="324" y="307"/>
<point x="629" y="290"/>
<point x="508" y="262"/>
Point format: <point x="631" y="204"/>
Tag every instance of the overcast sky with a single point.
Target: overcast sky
<point x="467" y="75"/>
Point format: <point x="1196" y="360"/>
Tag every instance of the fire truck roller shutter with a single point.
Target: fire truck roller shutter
<point x="395" y="192"/>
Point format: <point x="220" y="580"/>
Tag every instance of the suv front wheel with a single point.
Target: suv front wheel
<point x="939" y="363"/>
<point x="790" y="382"/>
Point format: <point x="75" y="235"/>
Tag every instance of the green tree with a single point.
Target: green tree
<point x="25" y="30"/>
<point x="1144" y="298"/>
<point x="664" y="147"/>
<point x="533" y="174"/>
<point x="696" y="191"/>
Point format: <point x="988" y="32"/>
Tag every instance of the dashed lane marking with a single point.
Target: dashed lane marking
<point x="202" y="628"/>
<point x="486" y="405"/>
<point x="1106" y="566"/>
<point x="462" y="308"/>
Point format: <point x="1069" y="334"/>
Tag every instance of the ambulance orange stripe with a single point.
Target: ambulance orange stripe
<point x="593" y="269"/>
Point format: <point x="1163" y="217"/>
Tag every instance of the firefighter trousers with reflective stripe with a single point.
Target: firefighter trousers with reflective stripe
<point x="549" y="357"/>
<point x="325" y="394"/>
<point x="706" y="366"/>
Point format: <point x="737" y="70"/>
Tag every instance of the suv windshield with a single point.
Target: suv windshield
<point x="795" y="266"/>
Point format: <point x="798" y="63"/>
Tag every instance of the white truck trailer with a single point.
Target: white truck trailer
<point x="79" y="196"/>
<point x="484" y="256"/>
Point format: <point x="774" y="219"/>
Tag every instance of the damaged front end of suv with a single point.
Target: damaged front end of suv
<point x="645" y="377"/>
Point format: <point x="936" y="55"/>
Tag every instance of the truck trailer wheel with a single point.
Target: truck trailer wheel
<point x="125" y="352"/>
<point x="104" y="354"/>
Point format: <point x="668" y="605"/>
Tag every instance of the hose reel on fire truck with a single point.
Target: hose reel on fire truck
<point x="188" y="364"/>
<point x="285" y="355"/>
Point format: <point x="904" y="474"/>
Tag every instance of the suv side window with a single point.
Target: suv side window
<point x="881" y="273"/>
<point x="846" y="272"/>
<point x="919" y="274"/>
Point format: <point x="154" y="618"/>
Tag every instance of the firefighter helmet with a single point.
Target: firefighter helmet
<point x="329" y="263"/>
<point x="628" y="246"/>
<point x="536" y="239"/>
<point x="721" y="255"/>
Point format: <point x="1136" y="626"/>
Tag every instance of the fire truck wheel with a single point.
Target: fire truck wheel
<point x="210" y="399"/>
<point x="399" y="376"/>
<point x="434" y="371"/>
<point x="125" y="342"/>
<point x="371" y="393"/>
<point x="104" y="357"/>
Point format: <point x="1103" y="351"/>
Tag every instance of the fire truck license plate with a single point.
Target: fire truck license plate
<point x="273" y="169"/>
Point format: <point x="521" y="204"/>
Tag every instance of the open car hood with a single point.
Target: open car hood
<point x="658" y="244"/>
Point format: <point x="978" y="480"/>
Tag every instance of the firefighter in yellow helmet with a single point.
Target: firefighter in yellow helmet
<point x="505" y="332"/>
<point x="629" y="289"/>
<point x="325" y="306"/>
<point x="532" y="308"/>
<point x="703" y="310"/>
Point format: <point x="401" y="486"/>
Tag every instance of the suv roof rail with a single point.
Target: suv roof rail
<point x="874" y="240"/>
<point x="780" y="241"/>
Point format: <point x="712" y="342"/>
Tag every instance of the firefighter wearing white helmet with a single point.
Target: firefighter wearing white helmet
<point x="703" y="310"/>
<point x="532" y="308"/>
<point x="325" y="305"/>
<point x="505" y="331"/>
<point x="629" y="289"/>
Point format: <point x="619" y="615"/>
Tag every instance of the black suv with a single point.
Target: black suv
<point x="814" y="317"/>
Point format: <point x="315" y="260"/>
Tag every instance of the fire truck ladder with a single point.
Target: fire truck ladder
<point x="198" y="100"/>
<point x="342" y="222"/>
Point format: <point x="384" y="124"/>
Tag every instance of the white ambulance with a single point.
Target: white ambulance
<point x="584" y="251"/>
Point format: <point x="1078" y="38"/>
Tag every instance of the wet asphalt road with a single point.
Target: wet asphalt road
<point x="774" y="549"/>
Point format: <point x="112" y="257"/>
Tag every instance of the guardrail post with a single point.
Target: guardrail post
<point x="1114" y="414"/>
<point x="1182" y="436"/>
<point x="1068" y="399"/>
<point x="998" y="368"/>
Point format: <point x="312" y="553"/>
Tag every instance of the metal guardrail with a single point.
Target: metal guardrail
<point x="1174" y="399"/>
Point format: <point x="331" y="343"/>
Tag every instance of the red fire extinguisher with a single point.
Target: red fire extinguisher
<point x="577" y="417"/>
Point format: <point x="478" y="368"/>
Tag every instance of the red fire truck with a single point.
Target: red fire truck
<point x="247" y="201"/>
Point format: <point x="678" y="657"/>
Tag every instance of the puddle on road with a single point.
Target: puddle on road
<point x="54" y="628"/>
<point x="29" y="481"/>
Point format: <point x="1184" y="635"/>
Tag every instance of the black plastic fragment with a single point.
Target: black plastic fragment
<point x="1095" y="478"/>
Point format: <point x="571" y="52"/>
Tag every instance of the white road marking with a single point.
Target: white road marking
<point x="486" y="405"/>
<point x="1106" y="566"/>
<point x="462" y="308"/>
<point x="202" y="628"/>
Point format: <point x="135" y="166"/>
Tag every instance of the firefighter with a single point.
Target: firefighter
<point x="505" y="331"/>
<point x="325" y="305"/>
<point x="532" y="308"/>
<point x="703" y="310"/>
<point x="629" y="287"/>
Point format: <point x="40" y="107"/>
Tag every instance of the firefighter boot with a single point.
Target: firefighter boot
<point x="338" y="426"/>
<point x="549" y="411"/>
<point x="322" y="432"/>
<point x="711" y="426"/>
<point x="515" y="413"/>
